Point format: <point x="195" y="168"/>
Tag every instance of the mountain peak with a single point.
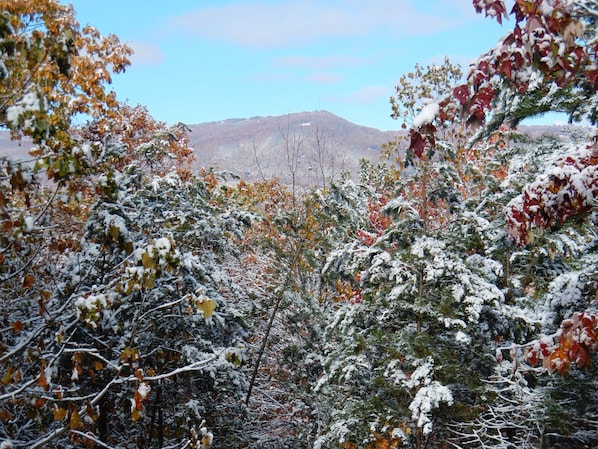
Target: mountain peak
<point x="255" y="147"/>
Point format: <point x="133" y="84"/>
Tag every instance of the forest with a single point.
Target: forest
<point x="446" y="297"/>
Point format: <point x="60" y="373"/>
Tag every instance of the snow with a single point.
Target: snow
<point x="29" y="223"/>
<point x="29" y="102"/>
<point x="144" y="390"/>
<point x="163" y="246"/>
<point x="427" y="399"/>
<point x="462" y="337"/>
<point x="427" y="244"/>
<point x="48" y="375"/>
<point x="427" y="115"/>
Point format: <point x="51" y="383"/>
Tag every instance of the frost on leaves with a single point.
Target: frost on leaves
<point x="547" y="62"/>
<point x="567" y="189"/>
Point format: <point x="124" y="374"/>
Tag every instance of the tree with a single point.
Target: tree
<point x="105" y="295"/>
<point x="546" y="63"/>
<point x="293" y="141"/>
<point x="136" y="328"/>
<point x="420" y="299"/>
<point x="52" y="72"/>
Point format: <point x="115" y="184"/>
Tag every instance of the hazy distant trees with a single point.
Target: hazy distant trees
<point x="303" y="155"/>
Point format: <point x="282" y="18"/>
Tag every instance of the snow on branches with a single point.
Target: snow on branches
<point x="565" y="190"/>
<point x="546" y="62"/>
<point x="571" y="344"/>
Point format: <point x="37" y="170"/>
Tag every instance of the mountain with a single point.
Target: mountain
<point x="313" y="145"/>
<point x="309" y="146"/>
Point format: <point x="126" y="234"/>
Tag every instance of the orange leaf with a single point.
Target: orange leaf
<point x="91" y="413"/>
<point x="560" y="362"/>
<point x="28" y="281"/>
<point x="59" y="413"/>
<point x="17" y="326"/>
<point x="42" y="381"/>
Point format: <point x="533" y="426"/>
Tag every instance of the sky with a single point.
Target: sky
<point x="201" y="61"/>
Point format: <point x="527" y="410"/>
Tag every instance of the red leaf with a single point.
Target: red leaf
<point x="461" y="93"/>
<point x="417" y="144"/>
<point x="592" y="76"/>
<point x="506" y="67"/>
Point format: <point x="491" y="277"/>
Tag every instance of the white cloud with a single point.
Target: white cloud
<point x="296" y="22"/>
<point x="145" y="53"/>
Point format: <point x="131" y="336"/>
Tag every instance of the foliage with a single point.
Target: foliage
<point x="136" y="315"/>
<point x="147" y="306"/>
<point x="52" y="72"/>
<point x="546" y="63"/>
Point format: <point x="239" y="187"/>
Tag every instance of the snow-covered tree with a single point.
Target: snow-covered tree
<point x="405" y="352"/>
<point x="137" y="339"/>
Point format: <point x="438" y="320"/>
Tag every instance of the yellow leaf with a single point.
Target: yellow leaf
<point x="59" y="413"/>
<point x="135" y="414"/>
<point x="75" y="422"/>
<point x="114" y="232"/>
<point x="207" y="306"/>
<point x="148" y="261"/>
<point x="7" y="379"/>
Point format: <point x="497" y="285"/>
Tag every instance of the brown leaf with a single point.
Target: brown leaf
<point x="17" y="326"/>
<point x="28" y="281"/>
<point x="75" y="421"/>
<point x="58" y="413"/>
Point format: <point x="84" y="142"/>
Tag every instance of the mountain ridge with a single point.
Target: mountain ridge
<point x="307" y="148"/>
<point x="259" y="146"/>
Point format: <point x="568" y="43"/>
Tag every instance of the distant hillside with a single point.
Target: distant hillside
<point x="319" y="144"/>
<point x="267" y="146"/>
<point x="315" y="146"/>
<point x="13" y="149"/>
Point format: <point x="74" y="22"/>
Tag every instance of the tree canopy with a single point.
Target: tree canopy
<point x="443" y="296"/>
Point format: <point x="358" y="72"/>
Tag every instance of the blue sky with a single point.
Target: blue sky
<point x="202" y="60"/>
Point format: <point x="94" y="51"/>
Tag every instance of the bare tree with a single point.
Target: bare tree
<point x="514" y="419"/>
<point x="324" y="157"/>
<point x="256" y="159"/>
<point x="293" y="142"/>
